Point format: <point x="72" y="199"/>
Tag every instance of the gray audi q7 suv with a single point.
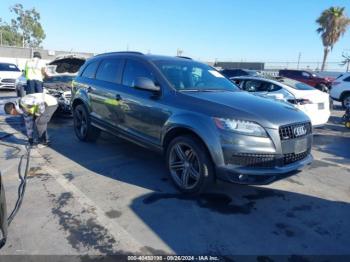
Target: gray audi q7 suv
<point x="205" y="127"/>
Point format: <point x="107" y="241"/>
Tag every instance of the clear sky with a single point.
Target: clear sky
<point x="247" y="30"/>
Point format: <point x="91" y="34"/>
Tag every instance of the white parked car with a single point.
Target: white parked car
<point x="312" y="102"/>
<point x="8" y="75"/>
<point x="340" y="90"/>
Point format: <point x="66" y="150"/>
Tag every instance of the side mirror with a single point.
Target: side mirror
<point x="145" y="83"/>
<point x="3" y="215"/>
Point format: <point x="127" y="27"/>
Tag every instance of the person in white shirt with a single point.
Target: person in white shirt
<point x="35" y="74"/>
<point x="37" y="110"/>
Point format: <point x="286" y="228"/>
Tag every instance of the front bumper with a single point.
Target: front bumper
<point x="7" y="83"/>
<point x="260" y="176"/>
<point x="7" y="86"/>
<point x="252" y="160"/>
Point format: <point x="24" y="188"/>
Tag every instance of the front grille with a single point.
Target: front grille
<point x="253" y="160"/>
<point x="287" y="132"/>
<point x="8" y="80"/>
<point x="292" y="157"/>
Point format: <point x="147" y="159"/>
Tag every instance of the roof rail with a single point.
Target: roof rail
<point x="122" y="52"/>
<point x="184" y="57"/>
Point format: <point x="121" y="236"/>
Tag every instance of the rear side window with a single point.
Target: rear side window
<point x="347" y="79"/>
<point x="133" y="70"/>
<point x="90" y="70"/>
<point x="109" y="70"/>
<point x="306" y="74"/>
<point x="272" y="87"/>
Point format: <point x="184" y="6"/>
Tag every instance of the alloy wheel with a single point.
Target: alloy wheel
<point x="80" y="122"/>
<point x="184" y="165"/>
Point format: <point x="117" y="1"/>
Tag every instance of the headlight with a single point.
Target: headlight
<point x="240" y="126"/>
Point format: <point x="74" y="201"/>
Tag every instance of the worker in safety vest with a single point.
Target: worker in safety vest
<point x="35" y="74"/>
<point x="37" y="110"/>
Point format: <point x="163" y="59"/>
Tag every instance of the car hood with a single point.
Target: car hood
<point x="10" y="74"/>
<point x="65" y="64"/>
<point x="241" y="105"/>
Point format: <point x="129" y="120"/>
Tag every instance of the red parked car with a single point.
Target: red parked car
<point x="310" y="78"/>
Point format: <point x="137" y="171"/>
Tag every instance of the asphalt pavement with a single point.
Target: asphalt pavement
<point x="113" y="197"/>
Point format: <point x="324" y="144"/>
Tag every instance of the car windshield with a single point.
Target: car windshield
<point x="8" y="67"/>
<point x="295" y="84"/>
<point x="193" y="76"/>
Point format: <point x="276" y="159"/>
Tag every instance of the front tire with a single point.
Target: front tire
<point x="189" y="164"/>
<point x="82" y="125"/>
<point x="346" y="101"/>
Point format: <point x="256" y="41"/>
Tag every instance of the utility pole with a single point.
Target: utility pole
<point x="1" y="38"/>
<point x="179" y="52"/>
<point x="299" y="60"/>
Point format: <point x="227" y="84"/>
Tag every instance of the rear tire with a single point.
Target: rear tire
<point x="189" y="164"/>
<point x="346" y="101"/>
<point x="82" y="125"/>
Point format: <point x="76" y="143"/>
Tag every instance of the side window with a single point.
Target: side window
<point x="109" y="70"/>
<point x="305" y="75"/>
<point x="254" y="86"/>
<point x="196" y="75"/>
<point x="133" y="70"/>
<point x="347" y="79"/>
<point x="238" y="82"/>
<point x="90" y="70"/>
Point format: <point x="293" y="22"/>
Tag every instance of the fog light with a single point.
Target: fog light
<point x="242" y="177"/>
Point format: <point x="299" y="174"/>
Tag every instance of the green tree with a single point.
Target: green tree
<point x="8" y="35"/>
<point x="333" y="24"/>
<point x="27" y="23"/>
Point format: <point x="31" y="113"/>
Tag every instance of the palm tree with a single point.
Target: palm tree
<point x="346" y="61"/>
<point x="333" y="24"/>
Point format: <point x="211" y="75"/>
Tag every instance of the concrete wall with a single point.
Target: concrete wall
<point x="19" y="56"/>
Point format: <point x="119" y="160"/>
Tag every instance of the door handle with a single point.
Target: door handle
<point x="118" y="97"/>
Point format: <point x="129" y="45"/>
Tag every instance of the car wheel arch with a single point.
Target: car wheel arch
<point x="181" y="130"/>
<point x="77" y="102"/>
<point x="344" y="94"/>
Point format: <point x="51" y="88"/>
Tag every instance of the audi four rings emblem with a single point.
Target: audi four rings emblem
<point x="299" y="131"/>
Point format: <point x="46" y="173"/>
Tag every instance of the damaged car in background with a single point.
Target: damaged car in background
<point x="60" y="74"/>
<point x="313" y="102"/>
